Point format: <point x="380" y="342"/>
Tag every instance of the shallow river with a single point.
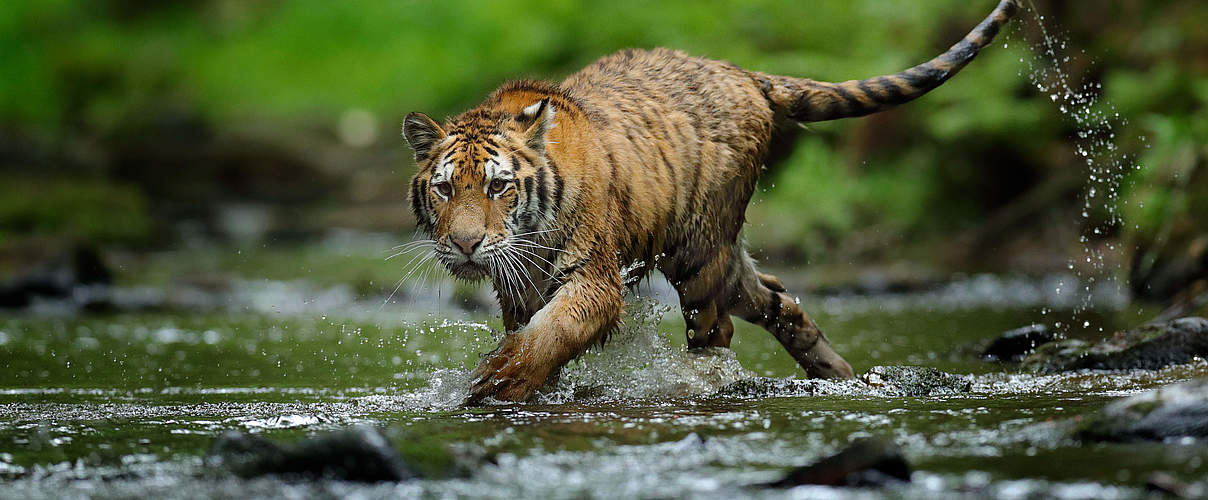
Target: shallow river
<point x="126" y="405"/>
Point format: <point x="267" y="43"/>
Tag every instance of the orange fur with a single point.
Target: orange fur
<point x="643" y="160"/>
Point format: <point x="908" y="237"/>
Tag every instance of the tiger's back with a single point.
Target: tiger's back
<point x="687" y="136"/>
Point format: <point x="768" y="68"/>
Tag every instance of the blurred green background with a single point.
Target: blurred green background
<point x="246" y="134"/>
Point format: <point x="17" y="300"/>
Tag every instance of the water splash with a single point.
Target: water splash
<point x="638" y="362"/>
<point x="1095" y="121"/>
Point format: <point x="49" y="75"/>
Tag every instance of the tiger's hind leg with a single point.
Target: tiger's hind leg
<point x="761" y="299"/>
<point x="702" y="287"/>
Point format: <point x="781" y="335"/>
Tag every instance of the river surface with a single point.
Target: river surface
<point x="126" y="404"/>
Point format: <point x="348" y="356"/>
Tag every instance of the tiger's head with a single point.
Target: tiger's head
<point x="484" y="188"/>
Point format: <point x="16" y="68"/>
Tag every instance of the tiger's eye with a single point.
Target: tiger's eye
<point x="444" y="188"/>
<point x="498" y="185"/>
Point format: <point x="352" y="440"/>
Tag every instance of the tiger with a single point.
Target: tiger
<point x="564" y="195"/>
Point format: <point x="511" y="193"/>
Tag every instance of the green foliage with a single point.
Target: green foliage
<point x="89" y="209"/>
<point x="312" y="58"/>
<point x="93" y="68"/>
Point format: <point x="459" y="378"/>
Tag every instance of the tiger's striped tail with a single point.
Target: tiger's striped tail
<point x="806" y="100"/>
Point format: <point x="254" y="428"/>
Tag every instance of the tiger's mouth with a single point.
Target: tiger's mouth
<point x="468" y="270"/>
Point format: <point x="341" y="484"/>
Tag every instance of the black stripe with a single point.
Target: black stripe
<point x="557" y="192"/>
<point x="961" y="53"/>
<point x="924" y="77"/>
<point x="846" y="99"/>
<point x="427" y="200"/>
<point x="542" y="191"/>
<point x="515" y="165"/>
<point x="873" y="95"/>
<point x="891" y="92"/>
<point x="670" y="168"/>
<point x="530" y="222"/>
<point x="416" y="201"/>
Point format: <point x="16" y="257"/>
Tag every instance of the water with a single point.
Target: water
<point x="1095" y="122"/>
<point x="126" y="404"/>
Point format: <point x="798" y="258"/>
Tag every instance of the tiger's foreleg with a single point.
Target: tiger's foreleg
<point x="582" y="310"/>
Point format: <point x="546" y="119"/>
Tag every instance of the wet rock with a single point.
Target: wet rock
<point x="879" y="380"/>
<point x="50" y="271"/>
<point x="1148" y="347"/>
<point x="1014" y="345"/>
<point x="915" y="381"/>
<point x="868" y="462"/>
<point x="768" y="387"/>
<point x="1174" y="411"/>
<point x="358" y="453"/>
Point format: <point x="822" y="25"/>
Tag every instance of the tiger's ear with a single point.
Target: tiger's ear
<point x="538" y="119"/>
<point x="421" y="133"/>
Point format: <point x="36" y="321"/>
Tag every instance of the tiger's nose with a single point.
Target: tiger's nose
<point x="466" y="244"/>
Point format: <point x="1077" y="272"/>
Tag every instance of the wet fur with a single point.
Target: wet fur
<point x="642" y="160"/>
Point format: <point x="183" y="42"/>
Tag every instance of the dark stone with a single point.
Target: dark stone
<point x="1016" y="344"/>
<point x="359" y="453"/>
<point x="915" y="381"/>
<point x="57" y="273"/>
<point x="768" y="387"/>
<point x="880" y="380"/>
<point x="1174" y="411"/>
<point x="1149" y="347"/>
<point x="868" y="462"/>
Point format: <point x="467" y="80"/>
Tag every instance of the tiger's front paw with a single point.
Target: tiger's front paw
<point x="512" y="372"/>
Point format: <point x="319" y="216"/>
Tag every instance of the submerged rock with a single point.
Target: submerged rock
<point x="1148" y="347"/>
<point x="768" y="387"/>
<point x="1179" y="410"/>
<point x="868" y="462"/>
<point x="915" y="381"/>
<point x="1014" y="345"/>
<point x="359" y="453"/>
<point x="878" y="380"/>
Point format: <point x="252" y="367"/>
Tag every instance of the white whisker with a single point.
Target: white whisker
<point x="534" y="263"/>
<point x="407" y="251"/>
<point x="418" y="261"/>
<point x="512" y="257"/>
<point x="542" y="231"/>
<point x="530" y="244"/>
<point x="411" y="243"/>
<point x="507" y="275"/>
